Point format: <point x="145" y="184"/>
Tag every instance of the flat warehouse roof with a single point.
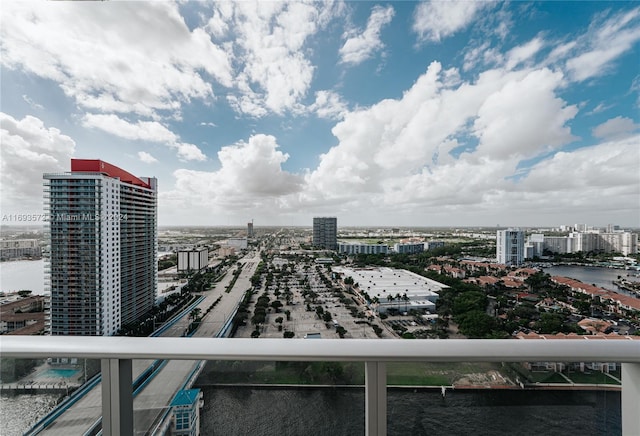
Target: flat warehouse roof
<point x="381" y="281"/>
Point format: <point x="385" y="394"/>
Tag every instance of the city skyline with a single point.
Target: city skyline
<point x="382" y="114"/>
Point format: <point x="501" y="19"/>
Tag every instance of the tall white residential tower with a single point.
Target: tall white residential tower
<point x="510" y="247"/>
<point x="102" y="267"/>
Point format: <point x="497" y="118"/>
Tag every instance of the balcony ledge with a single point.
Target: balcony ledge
<point x="381" y="350"/>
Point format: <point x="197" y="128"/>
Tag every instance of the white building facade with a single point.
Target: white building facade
<point x="102" y="269"/>
<point x="394" y="289"/>
<point x="193" y="260"/>
<point x="417" y="247"/>
<point x="510" y="247"/>
<point x="355" y="248"/>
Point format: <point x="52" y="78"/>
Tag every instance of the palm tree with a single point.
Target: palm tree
<point x="195" y="313"/>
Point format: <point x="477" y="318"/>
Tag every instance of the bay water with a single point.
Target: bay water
<point x="340" y="412"/>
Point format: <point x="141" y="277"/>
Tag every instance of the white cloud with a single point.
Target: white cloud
<point x="31" y="103"/>
<point x="601" y="107"/>
<point x="602" y="176"/>
<point x="274" y="72"/>
<point x="615" y="127"/>
<point x="360" y="47"/>
<point x="140" y="131"/>
<point x="28" y="150"/>
<point x="188" y="151"/>
<point x="146" y="157"/>
<point x="524" y="52"/>
<point x="250" y="175"/>
<point x="397" y="152"/>
<point x="438" y="19"/>
<point x="151" y="131"/>
<point x="604" y="42"/>
<point x="129" y="57"/>
<point x="329" y="105"/>
<point x="524" y="117"/>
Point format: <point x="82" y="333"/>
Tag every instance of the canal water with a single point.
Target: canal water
<point x="601" y="277"/>
<point x="340" y="412"/>
<point x="22" y="275"/>
<point x="231" y="411"/>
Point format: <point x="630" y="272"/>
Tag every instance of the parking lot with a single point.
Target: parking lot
<point x="303" y="318"/>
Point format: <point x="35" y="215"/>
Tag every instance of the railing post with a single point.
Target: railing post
<point x="375" y="391"/>
<point x="630" y="398"/>
<point x="117" y="397"/>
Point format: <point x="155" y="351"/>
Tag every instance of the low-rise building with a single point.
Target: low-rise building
<point x="237" y="243"/>
<point x="193" y="260"/>
<point x="412" y="248"/>
<point x="359" y="248"/>
<point x="432" y="245"/>
<point x="19" y="248"/>
<point x="394" y="289"/>
<point x="24" y="316"/>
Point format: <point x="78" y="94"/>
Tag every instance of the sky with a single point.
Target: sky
<point x="443" y="113"/>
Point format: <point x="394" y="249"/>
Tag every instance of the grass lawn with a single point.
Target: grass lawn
<point x="593" y="377"/>
<point x="398" y="373"/>
<point x="433" y="374"/>
<point x="546" y="377"/>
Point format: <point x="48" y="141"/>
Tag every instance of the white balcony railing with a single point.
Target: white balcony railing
<point x="117" y="353"/>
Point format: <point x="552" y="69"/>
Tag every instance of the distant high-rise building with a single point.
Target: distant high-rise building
<point x="250" y="229"/>
<point x="325" y="232"/>
<point x="510" y="247"/>
<point x="102" y="267"/>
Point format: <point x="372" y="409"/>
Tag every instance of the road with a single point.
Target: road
<point x="151" y="403"/>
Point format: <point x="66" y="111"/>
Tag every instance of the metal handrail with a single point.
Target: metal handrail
<point x="383" y="350"/>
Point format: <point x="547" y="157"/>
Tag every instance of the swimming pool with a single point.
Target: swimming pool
<point x="58" y="373"/>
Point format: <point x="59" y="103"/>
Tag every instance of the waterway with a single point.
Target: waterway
<point x="340" y="411"/>
<point x="601" y="277"/>
<point x="22" y="275"/>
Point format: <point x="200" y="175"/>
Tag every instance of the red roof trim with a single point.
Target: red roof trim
<point x="98" y="166"/>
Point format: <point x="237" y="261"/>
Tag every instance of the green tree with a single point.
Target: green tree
<point x="469" y="301"/>
<point x="476" y="324"/>
<point x="550" y="323"/>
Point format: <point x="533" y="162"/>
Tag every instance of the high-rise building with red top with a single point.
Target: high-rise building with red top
<point x="102" y="260"/>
